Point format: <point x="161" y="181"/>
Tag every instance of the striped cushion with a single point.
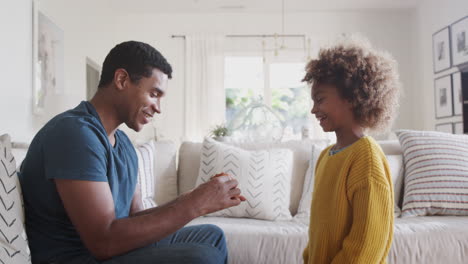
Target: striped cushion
<point x="14" y="247"/>
<point x="436" y="166"/>
<point x="145" y="153"/>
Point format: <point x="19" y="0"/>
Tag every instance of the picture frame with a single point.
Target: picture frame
<point x="458" y="128"/>
<point x="457" y="94"/>
<point x="443" y="96"/>
<point x="459" y="41"/>
<point x="444" y="127"/>
<point x="48" y="60"/>
<point x="441" y="50"/>
<point x="37" y="104"/>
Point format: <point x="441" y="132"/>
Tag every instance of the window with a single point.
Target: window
<point x="243" y="82"/>
<point x="289" y="96"/>
<point x="277" y="84"/>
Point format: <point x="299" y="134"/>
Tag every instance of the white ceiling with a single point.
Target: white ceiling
<point x="264" y="6"/>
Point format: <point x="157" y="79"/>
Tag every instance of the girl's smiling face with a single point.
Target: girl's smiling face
<point x="331" y="110"/>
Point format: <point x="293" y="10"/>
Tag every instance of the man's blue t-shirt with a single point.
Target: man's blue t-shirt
<point x="73" y="145"/>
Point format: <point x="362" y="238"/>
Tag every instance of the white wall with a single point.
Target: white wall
<point x="430" y="18"/>
<point x="94" y="31"/>
<point x="91" y="31"/>
<point x="16" y="118"/>
<point x="16" y="70"/>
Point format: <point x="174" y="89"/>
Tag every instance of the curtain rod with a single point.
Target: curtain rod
<point x="256" y="36"/>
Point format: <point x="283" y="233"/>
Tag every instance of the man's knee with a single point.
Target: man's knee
<point x="213" y="229"/>
<point x="206" y="254"/>
<point x="215" y="237"/>
<point x="214" y="234"/>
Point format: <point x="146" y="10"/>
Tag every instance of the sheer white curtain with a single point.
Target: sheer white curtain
<point x="205" y="100"/>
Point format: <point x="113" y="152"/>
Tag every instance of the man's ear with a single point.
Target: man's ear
<point x="121" y="78"/>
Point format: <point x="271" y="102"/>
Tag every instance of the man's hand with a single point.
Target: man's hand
<point x="219" y="193"/>
<point x="241" y="197"/>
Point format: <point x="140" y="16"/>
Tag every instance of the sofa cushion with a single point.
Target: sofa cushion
<point x="165" y="171"/>
<point x="264" y="177"/>
<point x="145" y="153"/>
<point x="189" y="165"/>
<point x="189" y="162"/>
<point x="303" y="211"/>
<point x="430" y="240"/>
<point x="395" y="162"/>
<point x="391" y="147"/>
<point x="252" y="241"/>
<point x="436" y="167"/>
<point x="394" y="154"/>
<point x="425" y="239"/>
<point x="13" y="240"/>
<point x="157" y="168"/>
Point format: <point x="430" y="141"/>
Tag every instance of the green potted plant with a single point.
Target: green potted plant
<point x="219" y="132"/>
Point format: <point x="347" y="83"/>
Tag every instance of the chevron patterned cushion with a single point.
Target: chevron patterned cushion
<point x="436" y="166"/>
<point x="13" y="241"/>
<point x="264" y="177"/>
<point x="145" y="153"/>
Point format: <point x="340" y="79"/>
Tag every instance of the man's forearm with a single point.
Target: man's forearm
<point x="145" y="227"/>
<point x="106" y="236"/>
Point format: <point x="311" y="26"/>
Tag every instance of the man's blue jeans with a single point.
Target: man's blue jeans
<point x="201" y="244"/>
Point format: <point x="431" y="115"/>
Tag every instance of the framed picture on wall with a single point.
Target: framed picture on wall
<point x="459" y="41"/>
<point x="457" y="94"/>
<point x="458" y="128"/>
<point x="48" y="60"/>
<point x="445" y="127"/>
<point x="443" y="96"/>
<point x="441" y="49"/>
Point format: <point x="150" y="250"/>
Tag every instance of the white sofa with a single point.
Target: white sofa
<point x="428" y="239"/>
<point x="431" y="239"/>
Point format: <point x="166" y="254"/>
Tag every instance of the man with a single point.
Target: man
<point x="79" y="179"/>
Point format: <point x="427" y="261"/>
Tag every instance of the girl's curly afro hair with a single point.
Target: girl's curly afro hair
<point x="364" y="76"/>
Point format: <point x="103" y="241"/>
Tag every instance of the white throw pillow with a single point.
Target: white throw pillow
<point x="264" y="178"/>
<point x="395" y="162"/>
<point x="303" y="211"/>
<point x="145" y="153"/>
<point x="13" y="241"/>
<point x="436" y="168"/>
<point x="190" y="154"/>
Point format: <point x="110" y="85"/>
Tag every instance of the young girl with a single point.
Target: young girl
<point x="354" y="89"/>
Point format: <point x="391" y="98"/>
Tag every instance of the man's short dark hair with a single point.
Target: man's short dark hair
<point x="137" y="58"/>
